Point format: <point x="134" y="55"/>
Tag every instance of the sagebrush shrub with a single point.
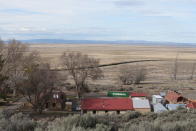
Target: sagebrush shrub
<point x="179" y="120"/>
<point x="131" y="115"/>
<point x="16" y="122"/>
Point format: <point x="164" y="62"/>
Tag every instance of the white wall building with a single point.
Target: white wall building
<point x="156" y="99"/>
<point x="141" y="105"/>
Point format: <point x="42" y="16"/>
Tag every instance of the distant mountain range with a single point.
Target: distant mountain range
<point x="132" y="42"/>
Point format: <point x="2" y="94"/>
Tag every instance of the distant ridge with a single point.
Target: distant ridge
<point x="132" y="42"/>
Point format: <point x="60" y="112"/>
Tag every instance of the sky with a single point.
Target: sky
<point x="151" y="20"/>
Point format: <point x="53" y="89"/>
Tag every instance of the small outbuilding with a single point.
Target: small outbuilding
<point x="117" y="94"/>
<point x="174" y="97"/>
<point x="156" y="99"/>
<point x="141" y="105"/>
<point x="56" y="101"/>
<point x="158" y="108"/>
<point x="191" y="105"/>
<point x="68" y="106"/>
<point x="106" y="105"/>
<point x="138" y="95"/>
<point x="175" y="106"/>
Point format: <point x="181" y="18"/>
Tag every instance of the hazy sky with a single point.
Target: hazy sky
<point x="154" y="20"/>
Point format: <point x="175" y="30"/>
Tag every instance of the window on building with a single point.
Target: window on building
<point x="47" y="105"/>
<point x="180" y="99"/>
<point x="54" y="96"/>
<point x="118" y="112"/>
<point x="94" y="112"/>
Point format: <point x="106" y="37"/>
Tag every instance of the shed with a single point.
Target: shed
<point x="106" y="105"/>
<point x="173" y="97"/>
<point x="56" y="101"/>
<point x="141" y="105"/>
<point x="158" y="108"/>
<point x="191" y="105"/>
<point x="118" y="94"/>
<point x="175" y="106"/>
<point x="138" y="95"/>
<point x="156" y="99"/>
<point x="68" y="106"/>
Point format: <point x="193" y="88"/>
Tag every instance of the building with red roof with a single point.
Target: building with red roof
<point x="138" y="95"/>
<point x="173" y="97"/>
<point x="191" y="105"/>
<point x="106" y="105"/>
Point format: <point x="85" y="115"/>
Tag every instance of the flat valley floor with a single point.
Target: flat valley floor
<point x="159" y="73"/>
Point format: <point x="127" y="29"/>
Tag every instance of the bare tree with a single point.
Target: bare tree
<point x="15" y="54"/>
<point x="175" y="70"/>
<point x="4" y="89"/>
<point x="3" y="78"/>
<point x="126" y="75"/>
<point x="192" y="71"/>
<point x="140" y="75"/>
<point x="132" y="75"/>
<point x="1" y="46"/>
<point x="31" y="60"/>
<point x="81" y="67"/>
<point x="38" y="83"/>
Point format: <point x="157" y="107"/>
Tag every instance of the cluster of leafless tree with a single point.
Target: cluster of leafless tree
<point x="26" y="73"/>
<point x="132" y="75"/>
<point x="178" y="67"/>
<point x="135" y="74"/>
<point x="81" y="67"/>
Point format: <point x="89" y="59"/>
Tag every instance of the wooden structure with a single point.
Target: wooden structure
<point x="56" y="101"/>
<point x="191" y="105"/>
<point x="173" y="97"/>
<point x="138" y="95"/>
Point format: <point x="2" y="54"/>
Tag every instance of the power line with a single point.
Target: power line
<point x="111" y="64"/>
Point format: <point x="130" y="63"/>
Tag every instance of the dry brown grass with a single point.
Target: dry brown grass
<point x="159" y="73"/>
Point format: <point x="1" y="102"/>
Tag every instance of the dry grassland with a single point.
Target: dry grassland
<point x="159" y="73"/>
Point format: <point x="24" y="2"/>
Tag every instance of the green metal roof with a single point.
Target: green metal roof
<point x="118" y="94"/>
